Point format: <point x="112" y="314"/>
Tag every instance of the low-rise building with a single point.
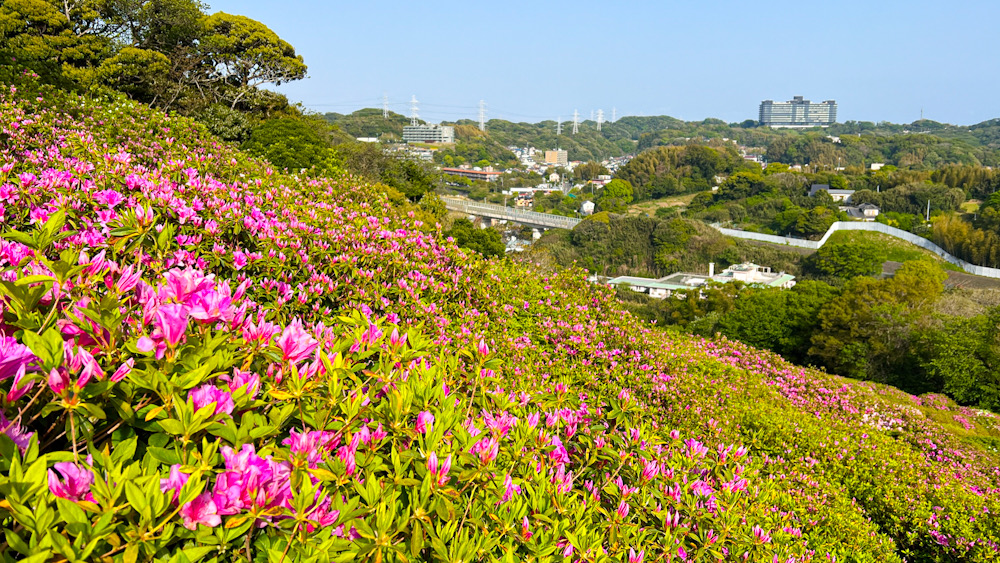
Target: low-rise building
<point x="864" y="212"/>
<point x="748" y="273"/>
<point x="487" y="175"/>
<point x="837" y="195"/>
<point x="751" y="273"/>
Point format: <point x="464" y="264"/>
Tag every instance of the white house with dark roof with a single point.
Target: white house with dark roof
<point x="837" y="195"/>
<point x="864" y="212"/>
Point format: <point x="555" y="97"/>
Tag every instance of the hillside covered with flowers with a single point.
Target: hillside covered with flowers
<point x="204" y="359"/>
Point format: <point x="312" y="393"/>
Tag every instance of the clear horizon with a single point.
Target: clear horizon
<point x="885" y="61"/>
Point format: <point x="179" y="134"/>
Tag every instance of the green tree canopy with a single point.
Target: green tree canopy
<point x="484" y="241"/>
<point x="247" y="54"/>
<point x="290" y="143"/>
<point x="615" y="196"/>
<point x="849" y="260"/>
<point x="866" y="332"/>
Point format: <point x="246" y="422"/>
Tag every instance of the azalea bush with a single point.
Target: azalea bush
<point x="204" y="359"/>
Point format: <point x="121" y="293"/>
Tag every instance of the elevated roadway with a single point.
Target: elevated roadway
<point x="501" y="212"/>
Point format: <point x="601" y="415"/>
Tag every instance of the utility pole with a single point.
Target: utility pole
<point x="482" y="115"/>
<point x="414" y="111"/>
<point x="928" y="218"/>
<point x="576" y="122"/>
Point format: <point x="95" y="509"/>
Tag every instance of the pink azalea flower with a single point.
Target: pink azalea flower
<point x="123" y="370"/>
<point x="425" y="422"/>
<point x="58" y="380"/>
<point x="13" y="356"/>
<point x="16" y="433"/>
<point x="509" y="489"/>
<point x="243" y="379"/>
<point x="623" y="509"/>
<point x="201" y="510"/>
<point x="145" y="344"/>
<point x="16" y="389"/>
<point x="649" y="469"/>
<point x="311" y="445"/>
<point x="175" y="482"/>
<point x="239" y="260"/>
<point x="295" y="343"/>
<point x="212" y="306"/>
<point x="567" y="550"/>
<point x="75" y="483"/>
<point x="172" y="320"/>
<point x="378" y="435"/>
<point x="78" y="360"/>
<point x="182" y="284"/>
<point x="208" y="394"/>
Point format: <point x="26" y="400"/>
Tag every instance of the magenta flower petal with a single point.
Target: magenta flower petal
<point x="75" y="483"/>
<point x="201" y="510"/>
<point x="172" y="320"/>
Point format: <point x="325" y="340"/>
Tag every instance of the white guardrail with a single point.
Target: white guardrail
<point x="859" y="226"/>
<point x="494" y="211"/>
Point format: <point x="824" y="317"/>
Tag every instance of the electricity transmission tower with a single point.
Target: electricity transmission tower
<point x="482" y="115"/>
<point x="559" y="125"/>
<point x="385" y="106"/>
<point x="614" y="115"/>
<point x="600" y="118"/>
<point x="576" y="122"/>
<point x="414" y="111"/>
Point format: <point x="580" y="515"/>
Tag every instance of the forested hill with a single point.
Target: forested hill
<point x="922" y="144"/>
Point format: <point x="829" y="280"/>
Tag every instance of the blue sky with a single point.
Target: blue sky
<point x="530" y="61"/>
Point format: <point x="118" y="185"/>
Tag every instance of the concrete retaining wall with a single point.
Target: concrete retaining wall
<point x="861" y="226"/>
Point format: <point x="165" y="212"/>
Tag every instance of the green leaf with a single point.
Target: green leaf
<point x="164" y="455"/>
<point x="26" y="280"/>
<point x="171" y="426"/>
<point x="48" y="347"/>
<point x="138" y="500"/>
<point x="23" y="238"/>
<point x="70" y="512"/>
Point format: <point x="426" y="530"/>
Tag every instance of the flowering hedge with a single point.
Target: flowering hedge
<point x="204" y="359"/>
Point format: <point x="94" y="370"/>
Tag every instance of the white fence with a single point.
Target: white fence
<point x="860" y="226"/>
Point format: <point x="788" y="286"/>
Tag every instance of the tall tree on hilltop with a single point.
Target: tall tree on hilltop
<point x="246" y="54"/>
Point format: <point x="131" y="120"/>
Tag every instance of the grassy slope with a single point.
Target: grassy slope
<point x="897" y="250"/>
